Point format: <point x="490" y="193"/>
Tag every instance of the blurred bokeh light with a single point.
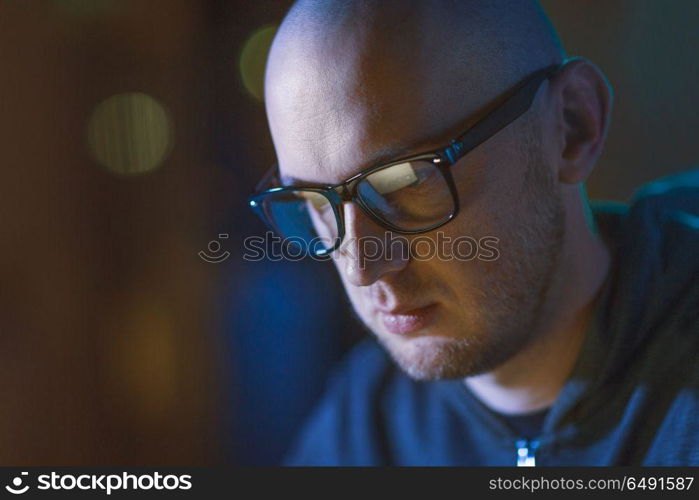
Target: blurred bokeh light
<point x="130" y="133"/>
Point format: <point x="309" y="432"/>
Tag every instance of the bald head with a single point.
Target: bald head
<point x="497" y="38"/>
<point x="391" y="62"/>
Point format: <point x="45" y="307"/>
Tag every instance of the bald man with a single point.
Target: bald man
<point x="567" y="334"/>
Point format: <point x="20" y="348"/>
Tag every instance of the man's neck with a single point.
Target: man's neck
<point x="533" y="378"/>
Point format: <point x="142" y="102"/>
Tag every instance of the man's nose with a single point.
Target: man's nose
<point x="369" y="251"/>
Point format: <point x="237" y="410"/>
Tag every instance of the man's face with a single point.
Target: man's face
<point x="440" y="317"/>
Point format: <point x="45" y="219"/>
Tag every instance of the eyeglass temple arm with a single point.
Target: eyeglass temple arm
<point x="519" y="101"/>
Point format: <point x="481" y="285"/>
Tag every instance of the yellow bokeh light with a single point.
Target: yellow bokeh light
<point x="253" y="59"/>
<point x="130" y="133"/>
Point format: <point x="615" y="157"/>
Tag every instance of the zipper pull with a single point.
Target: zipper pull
<point x="526" y="452"/>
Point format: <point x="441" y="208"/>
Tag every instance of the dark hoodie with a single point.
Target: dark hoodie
<point x="632" y="398"/>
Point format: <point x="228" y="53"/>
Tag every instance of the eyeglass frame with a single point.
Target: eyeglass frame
<point x="518" y="100"/>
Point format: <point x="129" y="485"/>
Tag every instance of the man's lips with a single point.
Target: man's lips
<point x="402" y="321"/>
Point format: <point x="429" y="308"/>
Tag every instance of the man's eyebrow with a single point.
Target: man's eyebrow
<point x="379" y="157"/>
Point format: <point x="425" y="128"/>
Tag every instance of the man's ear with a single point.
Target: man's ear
<point x="584" y="99"/>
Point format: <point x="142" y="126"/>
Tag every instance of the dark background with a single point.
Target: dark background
<point x="119" y="344"/>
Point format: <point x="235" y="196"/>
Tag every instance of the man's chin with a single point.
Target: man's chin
<point x="432" y="357"/>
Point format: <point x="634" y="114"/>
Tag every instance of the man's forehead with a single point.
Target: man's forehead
<point x="336" y="134"/>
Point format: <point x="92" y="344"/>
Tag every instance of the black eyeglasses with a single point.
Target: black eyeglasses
<point x="409" y="195"/>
